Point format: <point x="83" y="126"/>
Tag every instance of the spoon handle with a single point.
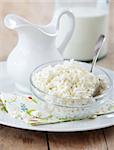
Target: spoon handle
<point x="98" y="47"/>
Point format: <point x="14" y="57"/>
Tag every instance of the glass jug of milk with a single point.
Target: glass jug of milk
<point x="91" y="20"/>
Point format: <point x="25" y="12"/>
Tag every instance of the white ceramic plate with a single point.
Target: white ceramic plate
<point x="7" y="85"/>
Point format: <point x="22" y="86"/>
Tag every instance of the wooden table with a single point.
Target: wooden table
<point x="17" y="139"/>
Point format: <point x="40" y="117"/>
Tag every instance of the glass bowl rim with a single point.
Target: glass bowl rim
<point x="77" y="105"/>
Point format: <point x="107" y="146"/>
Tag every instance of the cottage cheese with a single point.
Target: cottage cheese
<point x="69" y="79"/>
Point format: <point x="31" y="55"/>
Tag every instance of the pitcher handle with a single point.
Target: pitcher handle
<point x="70" y="32"/>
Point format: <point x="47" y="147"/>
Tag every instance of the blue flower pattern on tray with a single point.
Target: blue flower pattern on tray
<point x="23" y="107"/>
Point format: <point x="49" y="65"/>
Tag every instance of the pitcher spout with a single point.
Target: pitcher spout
<point x="13" y="21"/>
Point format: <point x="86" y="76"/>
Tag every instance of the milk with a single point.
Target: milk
<point x="90" y="23"/>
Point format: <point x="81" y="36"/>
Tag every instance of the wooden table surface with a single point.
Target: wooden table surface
<point x="17" y="139"/>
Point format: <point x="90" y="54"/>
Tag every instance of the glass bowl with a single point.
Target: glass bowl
<point x="67" y="107"/>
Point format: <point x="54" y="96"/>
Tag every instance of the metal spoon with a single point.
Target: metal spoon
<point x="98" y="47"/>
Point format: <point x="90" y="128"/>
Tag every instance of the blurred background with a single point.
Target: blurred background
<point x="38" y="12"/>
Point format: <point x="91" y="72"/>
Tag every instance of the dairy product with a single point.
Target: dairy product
<point x="90" y="23"/>
<point x="69" y="80"/>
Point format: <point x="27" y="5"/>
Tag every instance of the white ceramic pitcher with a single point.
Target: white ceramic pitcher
<point x="36" y="45"/>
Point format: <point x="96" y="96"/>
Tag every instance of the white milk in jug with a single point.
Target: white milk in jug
<point x="90" y="23"/>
